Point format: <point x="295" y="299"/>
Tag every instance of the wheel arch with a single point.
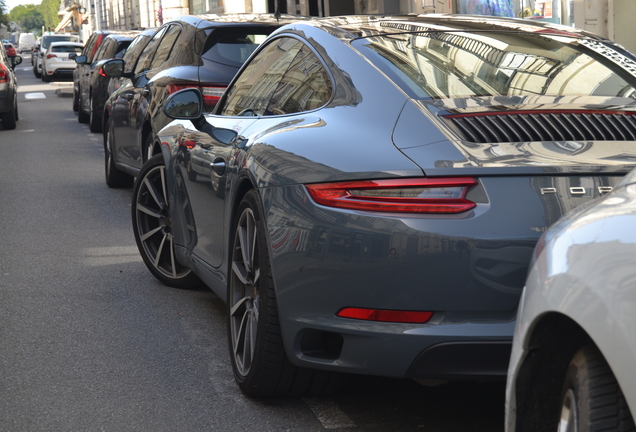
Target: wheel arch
<point x="554" y="340"/>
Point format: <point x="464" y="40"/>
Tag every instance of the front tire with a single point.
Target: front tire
<point x="260" y="364"/>
<point x="95" y="120"/>
<point x="152" y="227"/>
<point x="592" y="399"/>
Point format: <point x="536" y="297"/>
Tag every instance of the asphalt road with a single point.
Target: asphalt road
<point x="90" y="341"/>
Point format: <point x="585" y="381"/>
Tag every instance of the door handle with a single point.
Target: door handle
<point x="218" y="166"/>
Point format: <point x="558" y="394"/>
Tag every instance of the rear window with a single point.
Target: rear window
<point x="47" y="40"/>
<point x="441" y="65"/>
<point x="66" y="49"/>
<point x="233" y="46"/>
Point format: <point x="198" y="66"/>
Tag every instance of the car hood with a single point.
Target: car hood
<point x="427" y="132"/>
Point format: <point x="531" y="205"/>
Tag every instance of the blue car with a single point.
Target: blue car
<point x="368" y="191"/>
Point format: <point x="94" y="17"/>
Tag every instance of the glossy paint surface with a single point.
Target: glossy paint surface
<point x="469" y="268"/>
<point x="586" y="272"/>
<point x="134" y="111"/>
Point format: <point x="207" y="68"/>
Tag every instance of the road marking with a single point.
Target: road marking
<point x="329" y="414"/>
<point x="35" y="96"/>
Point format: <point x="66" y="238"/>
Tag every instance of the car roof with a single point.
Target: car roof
<point x="357" y="26"/>
<point x="66" y="43"/>
<point x="238" y="19"/>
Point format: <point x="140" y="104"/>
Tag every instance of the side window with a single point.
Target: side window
<point x="89" y="46"/>
<point x="121" y="48"/>
<point x="145" y="59"/>
<point x="134" y="51"/>
<point x="253" y="89"/>
<point x="165" y="46"/>
<point x="103" y="50"/>
<point x="305" y="86"/>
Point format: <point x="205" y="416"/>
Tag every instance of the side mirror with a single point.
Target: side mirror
<point x="113" y="68"/>
<point x="186" y="104"/>
<point x="16" y="60"/>
<point x="72" y="56"/>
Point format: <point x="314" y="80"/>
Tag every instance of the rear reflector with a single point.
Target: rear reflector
<point x="413" y="195"/>
<point x="385" y="315"/>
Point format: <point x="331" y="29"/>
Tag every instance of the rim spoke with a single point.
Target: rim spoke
<point x="257" y="274"/>
<point x="239" y="307"/>
<point x="150" y="233"/>
<point x="172" y="260"/>
<point x="150" y="212"/>
<point x="240" y="336"/>
<point x="163" y="184"/>
<point x="159" y="251"/>
<point x="247" y="342"/>
<point x="252" y="236"/>
<point x="154" y="192"/>
<point x="240" y="271"/>
<point x="243" y="241"/>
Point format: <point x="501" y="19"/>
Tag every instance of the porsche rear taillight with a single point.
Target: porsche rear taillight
<point x="413" y="195"/>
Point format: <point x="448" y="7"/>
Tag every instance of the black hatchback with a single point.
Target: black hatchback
<point x="203" y="51"/>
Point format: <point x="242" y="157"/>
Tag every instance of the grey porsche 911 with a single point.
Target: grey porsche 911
<point x="368" y="192"/>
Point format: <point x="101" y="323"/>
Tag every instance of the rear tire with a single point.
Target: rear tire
<point x="45" y="77"/>
<point x="9" y="118"/>
<point x="260" y="364"/>
<point x="114" y="177"/>
<point x="592" y="400"/>
<point x="75" y="100"/>
<point x="82" y="117"/>
<point x="95" y="120"/>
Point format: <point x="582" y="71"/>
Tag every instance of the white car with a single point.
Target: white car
<point x="574" y="350"/>
<point x="56" y="62"/>
<point x="45" y="41"/>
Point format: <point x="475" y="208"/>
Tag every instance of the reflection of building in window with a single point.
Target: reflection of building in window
<point x="454" y="64"/>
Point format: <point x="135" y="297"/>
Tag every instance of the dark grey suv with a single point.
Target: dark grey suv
<point x="203" y="51"/>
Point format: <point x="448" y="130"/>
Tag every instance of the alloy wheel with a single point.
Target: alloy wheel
<point x="154" y="225"/>
<point x="244" y="294"/>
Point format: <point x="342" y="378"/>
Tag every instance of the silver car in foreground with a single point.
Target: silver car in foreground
<point x="574" y="350"/>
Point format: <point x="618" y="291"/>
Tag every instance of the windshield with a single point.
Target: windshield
<point x="46" y="40"/>
<point x="460" y="64"/>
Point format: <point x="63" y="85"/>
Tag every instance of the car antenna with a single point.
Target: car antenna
<point x="277" y="12"/>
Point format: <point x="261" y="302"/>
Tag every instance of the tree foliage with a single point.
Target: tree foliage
<point x="49" y="9"/>
<point x="4" y="18"/>
<point x="28" y="16"/>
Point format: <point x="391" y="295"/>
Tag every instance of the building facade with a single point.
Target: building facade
<point x="608" y="18"/>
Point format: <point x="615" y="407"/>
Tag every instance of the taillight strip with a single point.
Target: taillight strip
<point x="380" y="195"/>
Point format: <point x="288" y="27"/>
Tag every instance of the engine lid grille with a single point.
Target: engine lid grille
<point x="523" y="126"/>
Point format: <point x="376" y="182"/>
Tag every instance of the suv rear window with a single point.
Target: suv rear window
<point x="67" y="49"/>
<point x="46" y="40"/>
<point x="233" y="46"/>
